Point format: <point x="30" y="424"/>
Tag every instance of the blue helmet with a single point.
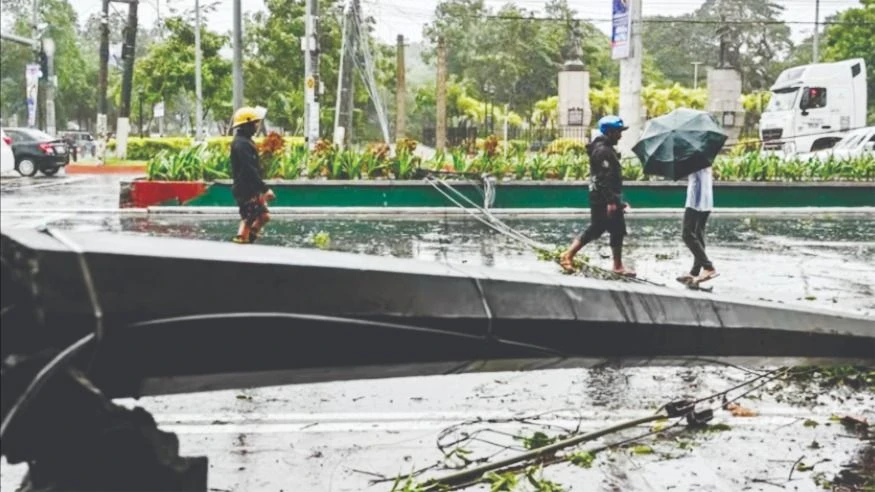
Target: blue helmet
<point x="611" y="122"/>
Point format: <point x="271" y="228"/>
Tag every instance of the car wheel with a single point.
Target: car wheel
<point x="50" y="171"/>
<point x="26" y="167"/>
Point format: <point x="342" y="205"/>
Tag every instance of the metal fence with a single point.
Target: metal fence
<point x="536" y="138"/>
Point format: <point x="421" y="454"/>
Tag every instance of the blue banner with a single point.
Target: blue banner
<point x="621" y="29"/>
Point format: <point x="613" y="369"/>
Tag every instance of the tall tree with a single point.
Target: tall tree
<point x="853" y="36"/>
<point x="516" y="51"/>
<point x="756" y="40"/>
<point x="75" y="92"/>
<point x="167" y="71"/>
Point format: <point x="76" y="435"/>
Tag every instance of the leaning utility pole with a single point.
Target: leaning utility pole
<point x="123" y="127"/>
<point x="400" y="90"/>
<point x="104" y="67"/>
<point x="238" y="55"/>
<point x="346" y="78"/>
<point x="441" y="96"/>
<point x="310" y="46"/>
<point x="198" y="90"/>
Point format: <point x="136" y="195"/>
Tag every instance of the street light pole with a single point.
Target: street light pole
<point x="238" y="55"/>
<point x="197" y="73"/>
<point x="49" y="49"/>
<point x="696" y="74"/>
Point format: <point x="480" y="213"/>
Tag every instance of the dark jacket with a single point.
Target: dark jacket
<point x="605" y="173"/>
<point x="245" y="169"/>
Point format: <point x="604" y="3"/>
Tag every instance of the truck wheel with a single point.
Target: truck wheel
<point x="50" y="171"/>
<point x="26" y="167"/>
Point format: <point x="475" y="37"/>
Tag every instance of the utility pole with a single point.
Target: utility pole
<point x="400" y="90"/>
<point x="346" y="79"/>
<point x="198" y="90"/>
<point x="310" y="46"/>
<point x="104" y="67"/>
<point x="630" y="83"/>
<point x="441" y="96"/>
<point x="49" y="50"/>
<point x="140" y="101"/>
<point x="238" y="55"/>
<point x="123" y="127"/>
<point x="815" y="55"/>
<point x="696" y="74"/>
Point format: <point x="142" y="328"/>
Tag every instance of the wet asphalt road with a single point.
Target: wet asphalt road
<point x="334" y="436"/>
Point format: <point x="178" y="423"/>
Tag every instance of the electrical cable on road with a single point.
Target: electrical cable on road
<point x="499" y="226"/>
<point x="682" y="410"/>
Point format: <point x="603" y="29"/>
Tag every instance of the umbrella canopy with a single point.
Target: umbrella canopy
<point x="679" y="143"/>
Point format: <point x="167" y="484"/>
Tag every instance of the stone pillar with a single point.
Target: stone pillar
<point x="575" y="112"/>
<point x="724" y="100"/>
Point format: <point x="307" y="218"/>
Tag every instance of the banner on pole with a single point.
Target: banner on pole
<point x="32" y="74"/>
<point x="621" y="29"/>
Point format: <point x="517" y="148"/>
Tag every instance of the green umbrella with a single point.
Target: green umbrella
<point x="679" y="143"/>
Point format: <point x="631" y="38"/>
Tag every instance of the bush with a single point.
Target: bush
<point x="143" y="149"/>
<point x="565" y="146"/>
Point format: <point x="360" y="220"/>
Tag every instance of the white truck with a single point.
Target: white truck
<point x="813" y="106"/>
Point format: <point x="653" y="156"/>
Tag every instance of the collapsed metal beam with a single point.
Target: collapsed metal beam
<point x="183" y="315"/>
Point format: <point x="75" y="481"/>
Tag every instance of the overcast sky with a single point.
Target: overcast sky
<point x="407" y="17"/>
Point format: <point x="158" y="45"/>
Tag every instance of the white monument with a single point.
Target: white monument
<point x="574" y="109"/>
<point x="724" y="100"/>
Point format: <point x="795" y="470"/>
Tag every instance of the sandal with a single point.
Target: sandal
<point x="239" y="240"/>
<point x="567" y="264"/>
<point x="625" y="273"/>
<point x="706" y="276"/>
<point x="686" y="279"/>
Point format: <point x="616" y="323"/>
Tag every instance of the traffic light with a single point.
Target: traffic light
<point x="43" y="65"/>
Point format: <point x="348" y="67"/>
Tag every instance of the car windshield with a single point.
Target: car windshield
<point x="851" y="141"/>
<point x="782" y="100"/>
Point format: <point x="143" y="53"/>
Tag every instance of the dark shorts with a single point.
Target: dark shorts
<point x="600" y="223"/>
<point x="252" y="209"/>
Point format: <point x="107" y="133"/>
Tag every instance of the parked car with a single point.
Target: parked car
<point x="7" y="159"/>
<point x="35" y="150"/>
<point x="854" y="144"/>
<point x="83" y="141"/>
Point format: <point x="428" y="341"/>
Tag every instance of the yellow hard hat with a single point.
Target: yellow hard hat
<point x="247" y="114"/>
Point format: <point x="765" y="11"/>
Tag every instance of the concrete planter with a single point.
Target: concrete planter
<point x="508" y="195"/>
<point x="143" y="193"/>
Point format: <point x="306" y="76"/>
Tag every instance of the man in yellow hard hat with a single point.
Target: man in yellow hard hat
<point x="249" y="189"/>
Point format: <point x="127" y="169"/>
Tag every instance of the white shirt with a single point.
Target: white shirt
<point x="700" y="191"/>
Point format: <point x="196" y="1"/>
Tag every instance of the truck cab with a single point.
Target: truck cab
<point x="813" y="106"/>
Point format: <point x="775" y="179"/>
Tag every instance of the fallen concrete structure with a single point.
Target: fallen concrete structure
<point x="174" y="315"/>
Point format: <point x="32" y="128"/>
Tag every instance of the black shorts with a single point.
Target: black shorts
<point x="252" y="209"/>
<point x="600" y="223"/>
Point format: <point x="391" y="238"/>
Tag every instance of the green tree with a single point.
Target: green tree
<point x="75" y="91"/>
<point x="853" y="36"/>
<point x="756" y="40"/>
<point x="274" y="66"/>
<point x="516" y="51"/>
<point x="167" y="72"/>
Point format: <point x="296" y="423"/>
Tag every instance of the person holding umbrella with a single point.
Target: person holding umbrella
<point x="685" y="143"/>
<point x="606" y="206"/>
<point x="700" y="201"/>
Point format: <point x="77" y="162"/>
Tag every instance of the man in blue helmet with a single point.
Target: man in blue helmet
<point x="606" y="205"/>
